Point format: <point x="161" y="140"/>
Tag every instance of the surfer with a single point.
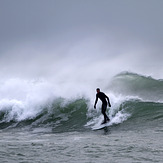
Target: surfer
<point x="103" y="98"/>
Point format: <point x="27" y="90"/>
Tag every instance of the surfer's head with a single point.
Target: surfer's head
<point x="98" y="90"/>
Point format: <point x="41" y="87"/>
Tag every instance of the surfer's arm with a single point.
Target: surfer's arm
<point x="96" y="101"/>
<point x="108" y="101"/>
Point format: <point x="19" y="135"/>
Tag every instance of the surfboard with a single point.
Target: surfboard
<point x="101" y="126"/>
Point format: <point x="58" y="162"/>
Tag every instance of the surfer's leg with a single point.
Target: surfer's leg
<point x="103" y="112"/>
<point x="106" y="118"/>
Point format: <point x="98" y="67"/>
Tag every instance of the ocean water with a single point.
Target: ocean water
<point x="40" y="125"/>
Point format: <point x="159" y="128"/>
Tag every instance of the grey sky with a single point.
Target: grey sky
<point x="43" y="35"/>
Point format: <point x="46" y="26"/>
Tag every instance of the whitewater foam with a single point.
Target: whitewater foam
<point x="117" y="113"/>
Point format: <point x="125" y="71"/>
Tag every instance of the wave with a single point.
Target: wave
<point x="61" y="116"/>
<point x="132" y="114"/>
<point x="133" y="84"/>
<point x="136" y="101"/>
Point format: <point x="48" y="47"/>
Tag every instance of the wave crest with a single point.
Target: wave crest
<point x="133" y="84"/>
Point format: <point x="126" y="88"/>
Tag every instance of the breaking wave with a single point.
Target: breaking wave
<point x="135" y="100"/>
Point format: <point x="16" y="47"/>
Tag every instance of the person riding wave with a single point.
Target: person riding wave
<point x="103" y="98"/>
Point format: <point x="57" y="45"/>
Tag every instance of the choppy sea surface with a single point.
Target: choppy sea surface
<point x="36" y="128"/>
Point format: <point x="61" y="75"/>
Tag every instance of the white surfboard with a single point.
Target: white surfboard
<point x="101" y="126"/>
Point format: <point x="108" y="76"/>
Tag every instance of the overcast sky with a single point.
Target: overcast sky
<point x="42" y="37"/>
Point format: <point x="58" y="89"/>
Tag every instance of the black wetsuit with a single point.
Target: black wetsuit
<point x="103" y="97"/>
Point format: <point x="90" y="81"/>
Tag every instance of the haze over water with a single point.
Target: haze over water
<point x="40" y="39"/>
